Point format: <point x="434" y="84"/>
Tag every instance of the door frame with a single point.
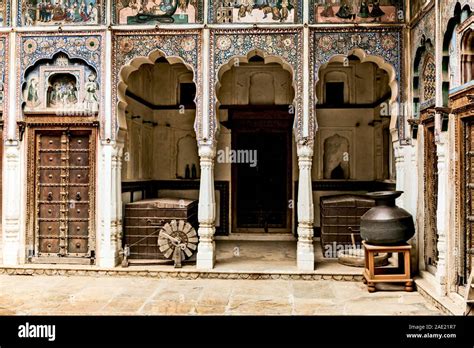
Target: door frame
<point x="31" y="247"/>
<point x="428" y="142"/>
<point x="252" y="119"/>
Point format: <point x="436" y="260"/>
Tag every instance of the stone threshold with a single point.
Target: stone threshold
<point x="426" y="286"/>
<point x="186" y="274"/>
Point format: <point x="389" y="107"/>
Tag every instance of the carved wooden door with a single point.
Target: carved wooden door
<point x="64" y="194"/>
<point x="431" y="199"/>
<point x="467" y="239"/>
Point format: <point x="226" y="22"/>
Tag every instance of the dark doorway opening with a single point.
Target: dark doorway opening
<point x="261" y="169"/>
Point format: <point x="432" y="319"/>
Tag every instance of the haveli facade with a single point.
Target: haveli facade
<point x="352" y="97"/>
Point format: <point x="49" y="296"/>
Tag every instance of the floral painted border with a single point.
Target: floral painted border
<point x="4" y="65"/>
<point x="283" y="43"/>
<point x="32" y="48"/>
<point x="7" y="12"/>
<point x="185" y="44"/>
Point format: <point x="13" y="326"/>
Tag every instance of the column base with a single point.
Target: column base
<point x="110" y="260"/>
<point x="305" y="259"/>
<point x="10" y="254"/>
<point x="206" y="259"/>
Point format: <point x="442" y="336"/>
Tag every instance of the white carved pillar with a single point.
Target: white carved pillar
<point x="206" y="254"/>
<point x="442" y="212"/>
<point x="13" y="184"/>
<point x="305" y="249"/>
<point x="11" y="200"/>
<point x="116" y="201"/>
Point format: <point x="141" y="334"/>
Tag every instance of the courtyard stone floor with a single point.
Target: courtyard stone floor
<point x="88" y="295"/>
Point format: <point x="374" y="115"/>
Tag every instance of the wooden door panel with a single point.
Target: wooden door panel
<point x="50" y="158"/>
<point x="79" y="176"/>
<point x="49" y="210"/>
<point x="63" y="186"/>
<point x="49" y="245"/>
<point x="79" y="158"/>
<point x="431" y="199"/>
<point x="50" y="176"/>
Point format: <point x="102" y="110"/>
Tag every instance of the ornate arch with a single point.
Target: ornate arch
<point x="31" y="49"/>
<point x="456" y="12"/>
<point x="274" y="46"/>
<point x="382" y="47"/>
<point x="424" y="55"/>
<point x="176" y="46"/>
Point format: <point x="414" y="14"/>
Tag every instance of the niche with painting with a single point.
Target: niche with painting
<point x="62" y="86"/>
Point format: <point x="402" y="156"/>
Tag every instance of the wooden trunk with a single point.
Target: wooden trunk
<point x="144" y="220"/>
<point x="340" y="218"/>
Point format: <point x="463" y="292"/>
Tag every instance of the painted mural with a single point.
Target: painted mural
<point x="158" y="11"/>
<point x="255" y="11"/>
<point x="357" y="11"/>
<point x="61" y="12"/>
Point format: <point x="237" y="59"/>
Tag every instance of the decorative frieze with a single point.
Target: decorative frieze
<point x="135" y="12"/>
<point x="255" y="11"/>
<point x="60" y="12"/>
<point x="348" y="12"/>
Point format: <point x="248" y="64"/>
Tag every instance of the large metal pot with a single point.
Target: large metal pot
<point x="386" y="224"/>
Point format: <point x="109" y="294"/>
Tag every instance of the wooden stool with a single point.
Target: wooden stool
<point x="387" y="274"/>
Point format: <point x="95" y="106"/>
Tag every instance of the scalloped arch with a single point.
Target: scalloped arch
<point x="268" y="59"/>
<point x="128" y="69"/>
<point x="382" y="64"/>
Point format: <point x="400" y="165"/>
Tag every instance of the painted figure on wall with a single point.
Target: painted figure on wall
<point x="156" y="11"/>
<point x="363" y="11"/>
<point x="336" y="158"/>
<point x="32" y="92"/>
<point x="63" y="92"/>
<point x="57" y="12"/>
<point x="91" y="99"/>
<point x="256" y="11"/>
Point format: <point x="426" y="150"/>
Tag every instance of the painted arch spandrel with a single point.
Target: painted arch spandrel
<point x="61" y="12"/>
<point x="255" y="11"/>
<point x="135" y="12"/>
<point x="4" y="13"/>
<point x="356" y="11"/>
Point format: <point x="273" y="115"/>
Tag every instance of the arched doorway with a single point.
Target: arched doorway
<point x="256" y="152"/>
<point x="353" y="145"/>
<point x="160" y="155"/>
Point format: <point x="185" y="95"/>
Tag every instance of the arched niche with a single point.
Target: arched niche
<point x="424" y="59"/>
<point x="467" y="56"/>
<point x="132" y="66"/>
<point x="62" y="86"/>
<point x="362" y="56"/>
<point x="460" y="14"/>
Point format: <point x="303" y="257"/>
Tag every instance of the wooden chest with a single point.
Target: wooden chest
<point x="340" y="218"/>
<point x="144" y="219"/>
